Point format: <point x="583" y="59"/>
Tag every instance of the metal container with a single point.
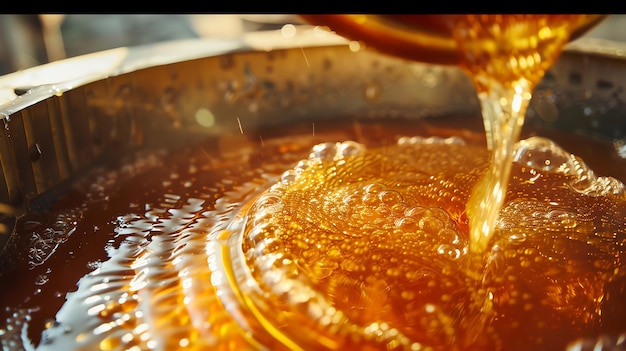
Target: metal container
<point x="63" y="119"/>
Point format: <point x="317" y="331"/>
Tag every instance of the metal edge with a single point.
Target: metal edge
<point x="41" y="82"/>
<point x="34" y="112"/>
<point x="24" y="88"/>
<point x="599" y="47"/>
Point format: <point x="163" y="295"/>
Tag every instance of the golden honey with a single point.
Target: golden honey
<point x="504" y="55"/>
<point x="307" y="243"/>
<point x="343" y="240"/>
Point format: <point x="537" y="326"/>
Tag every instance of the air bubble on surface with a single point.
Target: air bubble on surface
<point x="545" y="155"/>
<point x="414" y="140"/>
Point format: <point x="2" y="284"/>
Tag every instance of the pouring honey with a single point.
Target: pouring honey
<point x="429" y="243"/>
<point x="505" y="55"/>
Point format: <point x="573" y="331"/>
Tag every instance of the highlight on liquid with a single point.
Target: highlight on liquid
<point x="373" y="248"/>
<point x="505" y="55"/>
<point x="348" y="245"/>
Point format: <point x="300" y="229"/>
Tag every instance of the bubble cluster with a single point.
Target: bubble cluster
<point x="544" y="155"/>
<point x="345" y="245"/>
<point x="368" y="233"/>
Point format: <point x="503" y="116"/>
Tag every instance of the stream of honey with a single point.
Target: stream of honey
<point x="369" y="236"/>
<point x="506" y="56"/>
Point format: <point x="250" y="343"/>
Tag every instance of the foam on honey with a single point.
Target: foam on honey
<point x="368" y="248"/>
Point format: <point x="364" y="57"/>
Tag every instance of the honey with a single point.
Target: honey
<point x="504" y="55"/>
<point x="306" y="243"/>
<point x="389" y="238"/>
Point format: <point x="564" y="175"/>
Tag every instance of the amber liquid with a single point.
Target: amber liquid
<point x="423" y="38"/>
<point x="393" y="241"/>
<point x="304" y="244"/>
<point x="505" y="55"/>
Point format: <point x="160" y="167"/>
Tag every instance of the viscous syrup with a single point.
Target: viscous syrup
<point x="504" y="55"/>
<point x="308" y="242"/>
<point x="425" y="244"/>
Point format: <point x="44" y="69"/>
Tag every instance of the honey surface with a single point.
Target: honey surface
<point x="306" y="243"/>
<point x="416" y="243"/>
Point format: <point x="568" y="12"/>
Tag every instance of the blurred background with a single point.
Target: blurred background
<point x="28" y="40"/>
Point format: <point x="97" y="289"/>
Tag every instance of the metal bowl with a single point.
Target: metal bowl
<point x="64" y="119"/>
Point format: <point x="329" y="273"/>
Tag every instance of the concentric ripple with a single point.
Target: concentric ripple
<point x="371" y="247"/>
<point x="361" y="248"/>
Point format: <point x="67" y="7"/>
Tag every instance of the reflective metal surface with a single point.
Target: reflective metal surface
<point x="62" y="118"/>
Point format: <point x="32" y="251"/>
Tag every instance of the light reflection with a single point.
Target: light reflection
<point x="138" y="282"/>
<point x="81" y="337"/>
<point x="124" y="318"/>
<point x="142" y="260"/>
<point x="354" y="46"/>
<point x="92" y="299"/>
<point x="516" y="104"/>
<point x="96" y="309"/>
<point x="99" y="286"/>
<point x="205" y="117"/>
<point x="103" y="328"/>
<point x="152" y="344"/>
<point x="217" y="278"/>
<point x="288" y="31"/>
<point x="373" y="328"/>
<point x="128" y="337"/>
<point x="545" y="33"/>
<point x="321" y="31"/>
<point x="141" y="328"/>
<point x="184" y="342"/>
